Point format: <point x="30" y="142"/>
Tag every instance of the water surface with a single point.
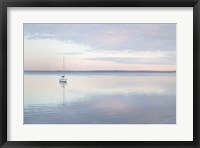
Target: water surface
<point x="100" y="98"/>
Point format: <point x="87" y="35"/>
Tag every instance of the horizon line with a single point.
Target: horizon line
<point x="99" y="70"/>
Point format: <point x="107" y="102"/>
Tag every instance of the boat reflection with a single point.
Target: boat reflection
<point x="63" y="84"/>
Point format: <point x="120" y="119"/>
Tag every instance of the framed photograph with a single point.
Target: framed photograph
<point x="100" y="73"/>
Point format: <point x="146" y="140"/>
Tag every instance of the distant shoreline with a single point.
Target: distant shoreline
<point x="104" y="71"/>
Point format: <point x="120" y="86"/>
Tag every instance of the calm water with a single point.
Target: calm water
<point x="100" y="98"/>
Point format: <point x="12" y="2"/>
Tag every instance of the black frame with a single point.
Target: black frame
<point x="99" y="3"/>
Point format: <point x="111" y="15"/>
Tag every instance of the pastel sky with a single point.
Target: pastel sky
<point x="100" y="46"/>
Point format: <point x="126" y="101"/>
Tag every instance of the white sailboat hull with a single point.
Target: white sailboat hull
<point x="63" y="80"/>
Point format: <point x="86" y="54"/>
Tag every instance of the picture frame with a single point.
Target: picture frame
<point x="99" y="3"/>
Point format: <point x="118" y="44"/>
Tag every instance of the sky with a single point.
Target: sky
<point x="100" y="47"/>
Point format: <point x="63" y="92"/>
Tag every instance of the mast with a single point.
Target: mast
<point x="64" y="65"/>
<point x="63" y="79"/>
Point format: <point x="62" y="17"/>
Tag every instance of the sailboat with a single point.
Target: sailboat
<point x="62" y="78"/>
